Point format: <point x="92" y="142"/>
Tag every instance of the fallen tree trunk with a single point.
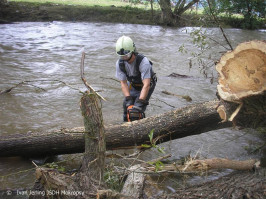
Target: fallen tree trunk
<point x="187" y="121"/>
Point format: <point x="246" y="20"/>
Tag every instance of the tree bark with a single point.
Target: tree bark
<point x="187" y="121"/>
<point x="90" y="177"/>
<point x="208" y="164"/>
<point x="167" y="14"/>
<point x="169" y="17"/>
<point x="182" y="7"/>
<point x="91" y="174"/>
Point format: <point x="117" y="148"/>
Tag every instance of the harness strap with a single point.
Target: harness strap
<point x="135" y="81"/>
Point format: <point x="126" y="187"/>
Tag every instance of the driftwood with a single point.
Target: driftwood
<point x="175" y="75"/>
<point x="208" y="164"/>
<point x="135" y="182"/>
<point x="186" y="97"/>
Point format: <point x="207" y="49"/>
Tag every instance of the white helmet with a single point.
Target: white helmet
<point x="125" y="46"/>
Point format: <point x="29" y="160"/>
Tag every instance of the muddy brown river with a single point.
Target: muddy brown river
<point x="48" y="53"/>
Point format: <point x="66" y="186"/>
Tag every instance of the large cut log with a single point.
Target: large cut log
<point x="242" y="72"/>
<point x="190" y="120"/>
<point x="242" y="80"/>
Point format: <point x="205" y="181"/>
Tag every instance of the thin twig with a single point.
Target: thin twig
<point x="83" y="77"/>
<point x="32" y="81"/>
<point x="113" y="79"/>
<point x="35" y="164"/>
<point x="165" y="103"/>
<point x="159" y="159"/>
<point x="186" y="97"/>
<point x="217" y="22"/>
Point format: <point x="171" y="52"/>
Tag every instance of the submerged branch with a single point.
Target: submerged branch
<point x="186" y="97"/>
<point x="32" y="81"/>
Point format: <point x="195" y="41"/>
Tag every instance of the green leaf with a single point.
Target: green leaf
<point x="158" y="165"/>
<point x="151" y="163"/>
<point x="161" y="150"/>
<point x="151" y="135"/>
<point x="146" y="146"/>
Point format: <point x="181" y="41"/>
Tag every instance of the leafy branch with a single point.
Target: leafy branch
<point x="158" y="164"/>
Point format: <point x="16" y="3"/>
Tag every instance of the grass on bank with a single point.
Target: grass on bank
<point x="104" y="3"/>
<point x="114" y="11"/>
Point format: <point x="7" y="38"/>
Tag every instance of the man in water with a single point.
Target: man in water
<point x="137" y="78"/>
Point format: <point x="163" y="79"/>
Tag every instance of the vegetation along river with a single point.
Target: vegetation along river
<point x="48" y="53"/>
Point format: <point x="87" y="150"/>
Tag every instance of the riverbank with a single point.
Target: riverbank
<point x="31" y="12"/>
<point x="25" y="11"/>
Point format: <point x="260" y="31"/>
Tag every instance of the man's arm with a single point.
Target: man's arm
<point x="125" y="88"/>
<point x="145" y="89"/>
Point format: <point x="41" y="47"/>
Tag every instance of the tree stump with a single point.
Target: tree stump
<point x="90" y="178"/>
<point x="91" y="175"/>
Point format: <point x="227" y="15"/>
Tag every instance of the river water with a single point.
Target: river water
<point x="48" y="54"/>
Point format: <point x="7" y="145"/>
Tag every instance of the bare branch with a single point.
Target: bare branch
<point x="32" y="81"/>
<point x="187" y="98"/>
<point x="217" y="22"/>
<point x="83" y="78"/>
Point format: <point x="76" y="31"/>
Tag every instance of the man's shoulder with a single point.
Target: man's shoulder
<point x="145" y="62"/>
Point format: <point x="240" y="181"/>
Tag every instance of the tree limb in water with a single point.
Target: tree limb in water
<point x="34" y="81"/>
<point x="187" y="98"/>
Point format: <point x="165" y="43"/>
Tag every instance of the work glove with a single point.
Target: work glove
<point x="129" y="101"/>
<point x="140" y="105"/>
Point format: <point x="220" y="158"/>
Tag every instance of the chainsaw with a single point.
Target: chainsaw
<point x="134" y="114"/>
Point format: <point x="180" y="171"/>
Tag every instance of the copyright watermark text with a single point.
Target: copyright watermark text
<point x="44" y="193"/>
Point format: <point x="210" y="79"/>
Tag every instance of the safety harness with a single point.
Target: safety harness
<point x="135" y="81"/>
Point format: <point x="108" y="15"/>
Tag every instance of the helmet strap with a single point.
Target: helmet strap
<point x="131" y="57"/>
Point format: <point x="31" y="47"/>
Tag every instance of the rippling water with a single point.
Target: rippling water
<point x="49" y="53"/>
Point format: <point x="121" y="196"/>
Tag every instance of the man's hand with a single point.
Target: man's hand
<point x="140" y="105"/>
<point x="129" y="101"/>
